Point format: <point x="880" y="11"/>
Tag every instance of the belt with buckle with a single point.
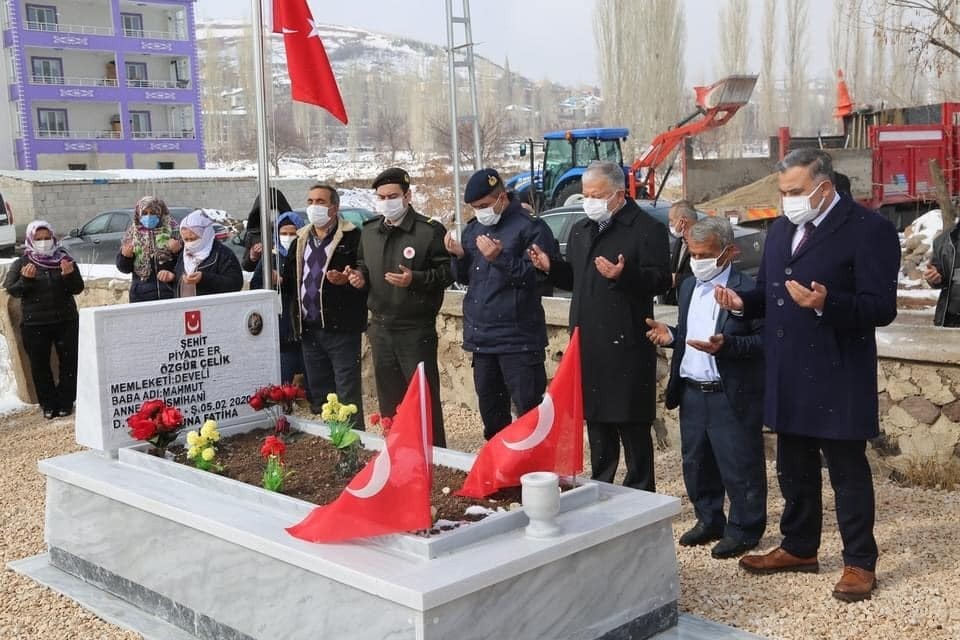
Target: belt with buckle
<point x="705" y="387"/>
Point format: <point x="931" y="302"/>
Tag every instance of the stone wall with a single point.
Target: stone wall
<point x="918" y="378"/>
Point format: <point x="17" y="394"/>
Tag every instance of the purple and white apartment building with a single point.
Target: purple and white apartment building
<point x="100" y="84"/>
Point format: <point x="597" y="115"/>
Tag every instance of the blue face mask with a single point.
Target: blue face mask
<point x="149" y="221"/>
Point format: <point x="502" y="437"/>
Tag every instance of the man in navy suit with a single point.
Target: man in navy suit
<point x="718" y="385"/>
<point x="827" y="280"/>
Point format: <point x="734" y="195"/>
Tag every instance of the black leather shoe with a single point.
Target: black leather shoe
<point x="700" y="534"/>
<point x="63" y="413"/>
<point x="49" y="414"/>
<point x="731" y="547"/>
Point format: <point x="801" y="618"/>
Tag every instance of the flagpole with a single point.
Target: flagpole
<point x="263" y="148"/>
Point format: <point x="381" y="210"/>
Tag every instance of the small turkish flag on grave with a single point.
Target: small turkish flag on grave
<point x="191" y="322"/>
<point x="311" y="78"/>
<point x="392" y="493"/>
<point x="546" y="438"/>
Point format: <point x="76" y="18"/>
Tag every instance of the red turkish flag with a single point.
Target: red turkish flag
<point x="392" y="493"/>
<point x="546" y="438"/>
<point x="311" y="78"/>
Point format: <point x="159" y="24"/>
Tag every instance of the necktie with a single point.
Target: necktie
<point x="808" y="230"/>
<point x="603" y="225"/>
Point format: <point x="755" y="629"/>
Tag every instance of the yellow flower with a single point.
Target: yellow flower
<point x="192" y="438"/>
<point x="208" y="454"/>
<point x="343" y="415"/>
<point x="332" y="397"/>
<point x="209" y="425"/>
<point x="209" y="431"/>
<point x="193" y="452"/>
<point x="352" y="409"/>
<point x="326" y="414"/>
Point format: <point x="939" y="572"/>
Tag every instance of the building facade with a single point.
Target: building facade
<point x="100" y="84"/>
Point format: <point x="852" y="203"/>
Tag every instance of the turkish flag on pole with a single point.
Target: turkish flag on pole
<point x="392" y="493"/>
<point x="311" y="78"/>
<point x="546" y="438"/>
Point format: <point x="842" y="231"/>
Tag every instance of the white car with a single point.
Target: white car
<point x="8" y="232"/>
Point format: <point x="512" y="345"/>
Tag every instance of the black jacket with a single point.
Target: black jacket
<point x="342" y="307"/>
<point x="739" y="361"/>
<point x="416" y="243"/>
<point x="944" y="259"/>
<point x="502" y="312"/>
<point x="288" y="337"/>
<point x="149" y="288"/>
<point x="680" y="265"/>
<point x="619" y="362"/>
<point x="221" y="271"/>
<point x="46" y="298"/>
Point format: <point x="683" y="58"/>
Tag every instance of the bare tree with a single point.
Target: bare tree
<point x="641" y="64"/>
<point x="391" y="131"/>
<point x="287" y="141"/>
<point x="796" y="59"/>
<point x="733" y="24"/>
<point x="493" y="135"/>
<point x="769" y="106"/>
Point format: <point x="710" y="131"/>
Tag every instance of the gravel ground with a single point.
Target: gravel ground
<point x="919" y="570"/>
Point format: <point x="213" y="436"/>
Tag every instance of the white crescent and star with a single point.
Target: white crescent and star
<point x="286" y="31"/>
<point x="378" y="479"/>
<point x="541" y="431"/>
<point x="193" y="323"/>
<point x="314" y="30"/>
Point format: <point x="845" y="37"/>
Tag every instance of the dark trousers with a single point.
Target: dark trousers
<point x="396" y="354"/>
<point x="291" y="361"/>
<point x="798" y="469"/>
<point x="502" y="377"/>
<point x="722" y="456"/>
<point x="605" y="439"/>
<point x="331" y="364"/>
<point x="37" y="341"/>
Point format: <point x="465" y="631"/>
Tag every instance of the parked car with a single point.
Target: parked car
<point x="98" y="240"/>
<point x="748" y="239"/>
<point x="8" y="232"/>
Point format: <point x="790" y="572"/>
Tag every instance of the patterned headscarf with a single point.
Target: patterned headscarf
<point x="47" y="261"/>
<point x="150" y="243"/>
<point x="200" y="224"/>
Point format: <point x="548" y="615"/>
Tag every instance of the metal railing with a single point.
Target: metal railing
<point x="153" y="35"/>
<point x="159" y="84"/>
<point x="72" y="81"/>
<point x="154" y="135"/>
<point x="69" y="28"/>
<point x="68" y="135"/>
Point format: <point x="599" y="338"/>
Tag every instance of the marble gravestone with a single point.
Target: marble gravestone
<point x="204" y="355"/>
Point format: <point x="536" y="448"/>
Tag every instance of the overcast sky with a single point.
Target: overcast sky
<point x="543" y="38"/>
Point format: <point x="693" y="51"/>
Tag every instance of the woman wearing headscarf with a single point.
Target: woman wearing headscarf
<point x="252" y="249"/>
<point x="205" y="265"/>
<point x="285" y="236"/>
<point x="149" y="252"/>
<point x="45" y="279"/>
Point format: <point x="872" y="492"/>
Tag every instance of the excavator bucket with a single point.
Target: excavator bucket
<point x="730" y="93"/>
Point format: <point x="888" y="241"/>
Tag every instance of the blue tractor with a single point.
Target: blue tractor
<point x="566" y="155"/>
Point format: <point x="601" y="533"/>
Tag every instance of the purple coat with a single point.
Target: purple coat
<point x="821" y="372"/>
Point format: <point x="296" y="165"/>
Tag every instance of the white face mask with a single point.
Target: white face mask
<point x="318" y="215"/>
<point x="597" y="209"/>
<point x="705" y="269"/>
<point x="798" y="209"/>
<point x="43" y="247"/>
<point x="287" y="241"/>
<point x="487" y="216"/>
<point x="193" y="245"/>
<point x="391" y="209"/>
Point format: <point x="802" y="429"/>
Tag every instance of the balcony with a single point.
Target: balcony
<point x="73" y="81"/>
<point x="83" y="29"/>
<point x="158" y="84"/>
<point x="184" y="134"/>
<point x="145" y="34"/>
<point x="76" y="135"/>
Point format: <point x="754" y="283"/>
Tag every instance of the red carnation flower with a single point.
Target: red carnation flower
<point x="282" y="426"/>
<point x="291" y="392"/>
<point x="151" y="408"/>
<point x="256" y="403"/>
<point x="276" y="393"/>
<point x="170" y="419"/>
<point x="386" y="422"/>
<point x="374" y="419"/>
<point x="141" y="427"/>
<point x="273" y="446"/>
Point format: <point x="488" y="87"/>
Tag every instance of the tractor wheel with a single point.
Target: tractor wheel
<point x="570" y="195"/>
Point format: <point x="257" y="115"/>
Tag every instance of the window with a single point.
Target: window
<point x="52" y="123"/>
<point x="136" y="74"/>
<point x="132" y="25"/>
<point x="164" y="165"/>
<point x="46" y="70"/>
<point x="119" y="222"/>
<point x="586" y="151"/>
<point x="100" y="224"/>
<point x="610" y="151"/>
<point x="76" y="166"/>
<point x="41" y="17"/>
<point x="140" y="124"/>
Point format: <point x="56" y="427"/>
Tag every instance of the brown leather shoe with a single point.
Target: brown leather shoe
<point x="778" y="560"/>
<point x="855" y="584"/>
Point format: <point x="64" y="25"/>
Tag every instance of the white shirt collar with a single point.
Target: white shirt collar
<point x="836" y="198"/>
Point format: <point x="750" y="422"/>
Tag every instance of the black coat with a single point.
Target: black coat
<point x="680" y="265"/>
<point x="46" y="298"/>
<point x="149" y="288"/>
<point x="739" y="361"/>
<point x="944" y="259"/>
<point x="502" y="312"/>
<point x="221" y="271"/>
<point x="288" y="337"/>
<point x="619" y="362"/>
<point x="821" y="371"/>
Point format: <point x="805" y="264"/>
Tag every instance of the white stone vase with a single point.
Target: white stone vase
<point x="540" y="492"/>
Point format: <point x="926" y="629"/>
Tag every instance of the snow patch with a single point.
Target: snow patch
<point x="9" y="401"/>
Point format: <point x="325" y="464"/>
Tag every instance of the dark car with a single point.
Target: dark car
<point x="749" y="240"/>
<point x="98" y="240"/>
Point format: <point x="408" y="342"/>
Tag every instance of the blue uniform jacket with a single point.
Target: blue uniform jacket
<point x="502" y="312"/>
<point x="821" y="371"/>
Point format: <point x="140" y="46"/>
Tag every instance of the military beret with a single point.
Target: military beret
<point x="394" y="175"/>
<point x="480" y="184"/>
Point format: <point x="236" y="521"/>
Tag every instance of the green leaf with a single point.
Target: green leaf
<point x="349" y="437"/>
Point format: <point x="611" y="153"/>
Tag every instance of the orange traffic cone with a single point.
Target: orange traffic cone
<point x="844" y="103"/>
